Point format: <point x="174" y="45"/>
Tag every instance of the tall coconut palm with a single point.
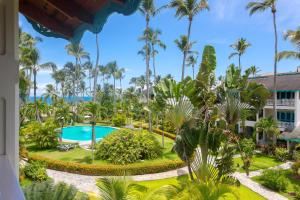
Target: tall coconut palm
<point x="185" y="47"/>
<point x="50" y="93"/>
<point x="192" y="61"/>
<point x="120" y="75"/>
<point x="261" y="6"/>
<point x="77" y="51"/>
<point x="33" y="57"/>
<point x="113" y="70"/>
<point x="148" y="10"/>
<point x="239" y="47"/>
<point x="189" y="9"/>
<point x="294" y="38"/>
<point x="88" y="66"/>
<point x="96" y="69"/>
<point x="92" y="110"/>
<point x="253" y="70"/>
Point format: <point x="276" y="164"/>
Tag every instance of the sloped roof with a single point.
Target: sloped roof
<point x="285" y="81"/>
<point x="69" y="19"/>
<point x="294" y="136"/>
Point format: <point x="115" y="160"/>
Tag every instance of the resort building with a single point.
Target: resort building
<point x="287" y="102"/>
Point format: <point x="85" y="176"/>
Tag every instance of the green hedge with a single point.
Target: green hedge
<point x="157" y="131"/>
<point x="108" y="169"/>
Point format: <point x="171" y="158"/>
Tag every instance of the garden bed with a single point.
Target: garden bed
<point x="79" y="161"/>
<point x="293" y="182"/>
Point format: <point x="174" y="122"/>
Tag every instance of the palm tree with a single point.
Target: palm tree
<point x="185" y="47"/>
<point x="89" y="67"/>
<point x="148" y="10"/>
<point x="294" y="38"/>
<point x="92" y="110"/>
<point x="153" y="38"/>
<point x="253" y="70"/>
<point x="63" y="115"/>
<point x="120" y="75"/>
<point x="24" y="85"/>
<point x="33" y="57"/>
<point x="189" y="9"/>
<point x="192" y="61"/>
<point x="50" y="93"/>
<point x="239" y="47"/>
<point x="113" y="70"/>
<point x="77" y="51"/>
<point x="96" y="68"/>
<point x="268" y="126"/>
<point x="260" y="6"/>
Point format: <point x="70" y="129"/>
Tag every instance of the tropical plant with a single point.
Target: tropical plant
<point x="192" y="61"/>
<point x="113" y="70"/>
<point x="274" y="179"/>
<point x="63" y="115"/>
<point x="267" y="126"/>
<point x="253" y="70"/>
<point x="239" y="47"/>
<point x="261" y="6"/>
<point x="60" y="78"/>
<point x="47" y="190"/>
<point x="294" y="38"/>
<point x="36" y="171"/>
<point x="50" y="93"/>
<point x="247" y="147"/>
<point x="148" y="10"/>
<point x="188" y="9"/>
<point x="185" y="46"/>
<point x="24" y="85"/>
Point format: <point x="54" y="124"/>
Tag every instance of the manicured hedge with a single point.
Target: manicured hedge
<point x="157" y="131"/>
<point x="108" y="169"/>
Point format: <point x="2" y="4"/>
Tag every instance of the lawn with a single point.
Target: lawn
<point x="80" y="155"/>
<point x="242" y="192"/>
<point x="259" y="161"/>
<point x="293" y="181"/>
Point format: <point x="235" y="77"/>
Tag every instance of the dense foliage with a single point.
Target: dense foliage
<point x="281" y="154"/>
<point x="128" y="146"/>
<point x="119" y="120"/>
<point x="47" y="190"/>
<point x="275" y="180"/>
<point x="43" y="135"/>
<point x="36" y="171"/>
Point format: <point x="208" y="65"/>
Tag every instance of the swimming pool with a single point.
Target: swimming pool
<point x="84" y="133"/>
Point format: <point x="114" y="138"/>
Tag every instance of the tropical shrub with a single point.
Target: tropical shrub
<point x="247" y="147"/>
<point x="281" y="154"/>
<point x="268" y="149"/>
<point x="50" y="191"/>
<point x="297" y="192"/>
<point x="296" y="167"/>
<point x="296" y="155"/>
<point x="119" y="120"/>
<point x="275" y="180"/>
<point x="108" y="169"/>
<point x="36" y="171"/>
<point x="43" y="135"/>
<point x="128" y="146"/>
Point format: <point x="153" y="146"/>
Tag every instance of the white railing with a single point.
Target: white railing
<point x="281" y="102"/>
<point x="288" y="126"/>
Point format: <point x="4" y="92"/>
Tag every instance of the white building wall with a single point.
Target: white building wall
<point x="297" y="109"/>
<point x="9" y="111"/>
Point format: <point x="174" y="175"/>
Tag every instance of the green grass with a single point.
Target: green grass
<point x="259" y="161"/>
<point x="293" y="181"/>
<point x="242" y="192"/>
<point x="83" y="156"/>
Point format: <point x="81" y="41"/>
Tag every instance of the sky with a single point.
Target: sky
<point x="222" y="25"/>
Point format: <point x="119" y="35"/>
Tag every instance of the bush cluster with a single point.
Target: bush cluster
<point x="43" y="135"/>
<point x="128" y="146"/>
<point x="275" y="180"/>
<point x="296" y="168"/>
<point x="36" y="171"/>
<point x="108" y="169"/>
<point x="281" y="154"/>
<point x="269" y="149"/>
<point x="119" y="120"/>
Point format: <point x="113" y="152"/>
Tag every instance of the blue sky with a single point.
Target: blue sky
<point x="226" y="21"/>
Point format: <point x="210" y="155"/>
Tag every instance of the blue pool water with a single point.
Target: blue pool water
<point x="84" y="133"/>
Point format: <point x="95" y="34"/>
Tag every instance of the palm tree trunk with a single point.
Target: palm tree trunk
<point x="93" y="141"/>
<point x="114" y="94"/>
<point x="96" y="69"/>
<point x="147" y="70"/>
<point x="153" y="62"/>
<point x="239" y="61"/>
<point x="275" y="62"/>
<point x="62" y="89"/>
<point x="185" y="52"/>
<point x="34" y="96"/>
<point x="193" y="67"/>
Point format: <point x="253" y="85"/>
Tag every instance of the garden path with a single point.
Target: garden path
<point x="88" y="183"/>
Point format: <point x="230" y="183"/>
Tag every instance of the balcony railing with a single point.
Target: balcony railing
<point x="287" y="126"/>
<point x="281" y="102"/>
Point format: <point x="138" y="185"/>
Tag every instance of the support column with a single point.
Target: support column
<point x="297" y="109"/>
<point x="9" y="86"/>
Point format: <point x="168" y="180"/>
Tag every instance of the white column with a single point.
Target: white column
<point x="9" y="97"/>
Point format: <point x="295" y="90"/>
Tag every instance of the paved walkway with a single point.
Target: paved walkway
<point x="88" y="183"/>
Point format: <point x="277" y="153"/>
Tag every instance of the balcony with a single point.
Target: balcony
<point x="282" y="102"/>
<point x="286" y="126"/>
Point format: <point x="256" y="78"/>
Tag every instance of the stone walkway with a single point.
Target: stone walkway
<point x="88" y="183"/>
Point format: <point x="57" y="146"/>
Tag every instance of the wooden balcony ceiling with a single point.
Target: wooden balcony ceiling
<point x="63" y="17"/>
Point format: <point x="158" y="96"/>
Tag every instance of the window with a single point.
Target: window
<point x="286" y="95"/>
<point x="288" y="116"/>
